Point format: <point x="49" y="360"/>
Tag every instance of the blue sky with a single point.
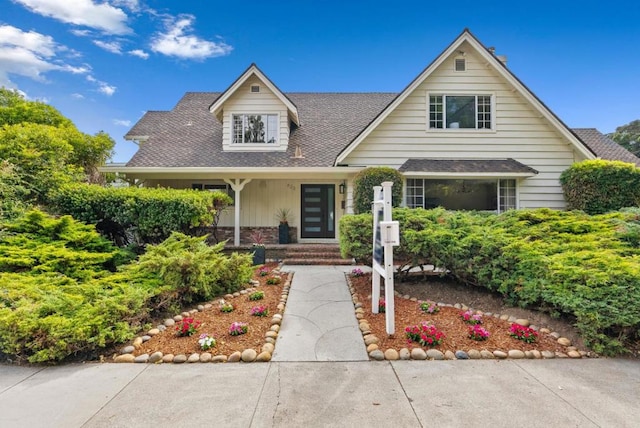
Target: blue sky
<point x="104" y="63"/>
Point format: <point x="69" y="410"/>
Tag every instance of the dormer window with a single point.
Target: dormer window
<point x="255" y="128"/>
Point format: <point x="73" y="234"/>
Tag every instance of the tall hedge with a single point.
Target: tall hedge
<point x="374" y="176"/>
<point x="598" y="186"/>
<point x="152" y="214"/>
<point x="587" y="267"/>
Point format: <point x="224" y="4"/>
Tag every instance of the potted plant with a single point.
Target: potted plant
<point x="283" y="215"/>
<point x="259" y="256"/>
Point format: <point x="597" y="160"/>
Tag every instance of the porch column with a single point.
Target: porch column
<point x="237" y="184"/>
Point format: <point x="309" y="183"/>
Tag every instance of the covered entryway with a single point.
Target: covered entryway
<point x="317" y="211"/>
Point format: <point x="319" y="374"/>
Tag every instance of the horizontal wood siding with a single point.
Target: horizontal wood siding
<point x="520" y="132"/>
<point x="243" y="101"/>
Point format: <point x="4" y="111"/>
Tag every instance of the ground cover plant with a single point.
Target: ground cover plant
<point x="66" y="291"/>
<point x="566" y="263"/>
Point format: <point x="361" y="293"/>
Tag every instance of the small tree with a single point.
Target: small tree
<point x="597" y="186"/>
<point x="375" y="176"/>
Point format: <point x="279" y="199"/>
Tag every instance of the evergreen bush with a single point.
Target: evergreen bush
<point x="374" y="176"/>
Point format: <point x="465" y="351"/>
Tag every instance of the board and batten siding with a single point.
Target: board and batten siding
<point x="261" y="199"/>
<point x="519" y="132"/>
<point x="243" y="101"/>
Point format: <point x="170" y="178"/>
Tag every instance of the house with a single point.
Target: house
<point x="466" y="133"/>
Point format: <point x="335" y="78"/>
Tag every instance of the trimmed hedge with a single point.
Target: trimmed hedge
<point x="598" y="186"/>
<point x="65" y="290"/>
<point x="587" y="267"/>
<point x="151" y="213"/>
<point x="374" y="176"/>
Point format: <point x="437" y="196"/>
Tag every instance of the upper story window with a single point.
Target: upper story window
<point x="255" y="128"/>
<point x="460" y="111"/>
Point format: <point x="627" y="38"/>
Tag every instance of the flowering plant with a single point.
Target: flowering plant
<point x="206" y="342"/>
<point x="471" y="318"/>
<point x="225" y="307"/>
<point x="357" y="272"/>
<point x="274" y="280"/>
<point x="263" y="271"/>
<point x="187" y="327"/>
<point x="382" y="306"/>
<point x="520" y="332"/>
<point x="429" y="307"/>
<point x="259" y="311"/>
<point x="256" y="295"/>
<point x="238" y="328"/>
<point x="425" y="334"/>
<point x="478" y="333"/>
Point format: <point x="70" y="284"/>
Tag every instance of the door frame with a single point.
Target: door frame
<point x="327" y="201"/>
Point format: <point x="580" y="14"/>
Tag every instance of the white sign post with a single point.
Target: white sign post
<point x="386" y="235"/>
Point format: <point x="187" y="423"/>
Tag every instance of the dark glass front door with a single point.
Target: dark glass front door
<point x="318" y="211"/>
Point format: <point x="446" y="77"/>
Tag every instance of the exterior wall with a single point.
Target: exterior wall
<point x="261" y="199"/>
<point x="247" y="102"/>
<point x="520" y="132"/>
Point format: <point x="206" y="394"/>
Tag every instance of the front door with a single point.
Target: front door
<point x="318" y="211"/>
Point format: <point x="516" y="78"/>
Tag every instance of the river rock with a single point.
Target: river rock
<point x="369" y="339"/>
<point x="391" y="355"/>
<point x="271" y="334"/>
<point x="276" y="321"/>
<point x="125" y="358"/>
<point x="268" y="347"/>
<point x="168" y="358"/>
<point x="574" y="354"/>
<point x="155" y="357"/>
<point x="177" y="318"/>
<point x="206" y="357"/>
<point x="144" y="358"/>
<point x="146" y="338"/>
<point x="193" y="358"/>
<point x="377" y="355"/>
<point x="137" y="342"/>
<point x="529" y="355"/>
<point x="504" y="317"/>
<point x="545" y="330"/>
<point x="179" y="359"/>
<point x="219" y="359"/>
<point x="536" y="354"/>
<point x="500" y="354"/>
<point x="169" y="322"/>
<point x="434" y="354"/>
<point x="153" y="332"/>
<point x="418" y="354"/>
<point x="405" y="354"/>
<point x="449" y="355"/>
<point x="128" y="349"/>
<point x="522" y="321"/>
<point x="564" y="341"/>
<point x="516" y="354"/>
<point x="548" y="354"/>
<point x="235" y="357"/>
<point x="461" y="355"/>
<point x="474" y="354"/>
<point x="264" y="357"/>
<point x="486" y="355"/>
<point x="248" y="355"/>
<point x="372" y="347"/>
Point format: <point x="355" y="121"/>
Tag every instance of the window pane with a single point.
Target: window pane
<point x="461" y="194"/>
<point x="507" y="195"/>
<point x="255" y="128"/>
<point x="461" y="111"/>
<point x="415" y="195"/>
<point x="435" y="111"/>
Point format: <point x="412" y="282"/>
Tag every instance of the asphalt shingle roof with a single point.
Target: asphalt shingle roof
<point x="190" y="136"/>
<point x="466" y="166"/>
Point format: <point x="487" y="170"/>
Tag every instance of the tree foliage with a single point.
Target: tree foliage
<point x="597" y="186"/>
<point x="628" y="136"/>
<point x="366" y="179"/>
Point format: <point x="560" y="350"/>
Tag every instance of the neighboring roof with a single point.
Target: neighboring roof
<point x="467" y="36"/>
<point x="467" y="166"/>
<point x="190" y="136"/>
<point x="217" y="105"/>
<point x="604" y="147"/>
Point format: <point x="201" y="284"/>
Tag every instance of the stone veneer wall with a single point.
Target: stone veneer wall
<point x="270" y="234"/>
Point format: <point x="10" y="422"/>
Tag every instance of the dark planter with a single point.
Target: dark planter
<point x="283" y="233"/>
<point x="259" y="257"/>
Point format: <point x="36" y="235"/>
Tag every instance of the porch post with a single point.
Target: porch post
<point x="237" y="184"/>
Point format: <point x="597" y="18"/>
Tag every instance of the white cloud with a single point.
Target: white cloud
<point x="139" y="53"/>
<point x="113" y="47"/>
<point x="31" y="55"/>
<point x="77" y="96"/>
<point x="177" y="41"/>
<point x="120" y="122"/>
<point x="103" y="87"/>
<point x="81" y="33"/>
<point x="132" y="5"/>
<point x="100" y="16"/>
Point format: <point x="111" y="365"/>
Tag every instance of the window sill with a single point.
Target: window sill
<point x="254" y="147"/>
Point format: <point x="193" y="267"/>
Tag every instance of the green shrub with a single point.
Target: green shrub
<point x="193" y="271"/>
<point x="374" y="176"/>
<point x="586" y="267"/>
<point x="152" y="214"/>
<point x="598" y="186"/>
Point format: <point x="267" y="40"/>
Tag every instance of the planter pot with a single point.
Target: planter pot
<point x="283" y="233"/>
<point x="259" y="256"/>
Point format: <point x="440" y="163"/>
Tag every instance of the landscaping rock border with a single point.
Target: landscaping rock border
<point x="376" y="354"/>
<point x="247" y="355"/>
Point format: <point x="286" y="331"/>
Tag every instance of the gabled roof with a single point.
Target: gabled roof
<point x="466" y="36"/>
<point x="217" y="106"/>
<point x="493" y="167"/>
<point x="604" y="147"/>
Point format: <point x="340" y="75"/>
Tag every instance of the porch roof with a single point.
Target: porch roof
<point x="464" y="167"/>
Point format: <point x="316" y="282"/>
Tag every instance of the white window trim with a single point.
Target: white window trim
<point x="278" y="146"/>
<point x="457" y="94"/>
<point x="460" y="57"/>
<point x="517" y="195"/>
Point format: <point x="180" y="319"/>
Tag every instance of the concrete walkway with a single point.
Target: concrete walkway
<point x="300" y="387"/>
<point x="319" y="322"/>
